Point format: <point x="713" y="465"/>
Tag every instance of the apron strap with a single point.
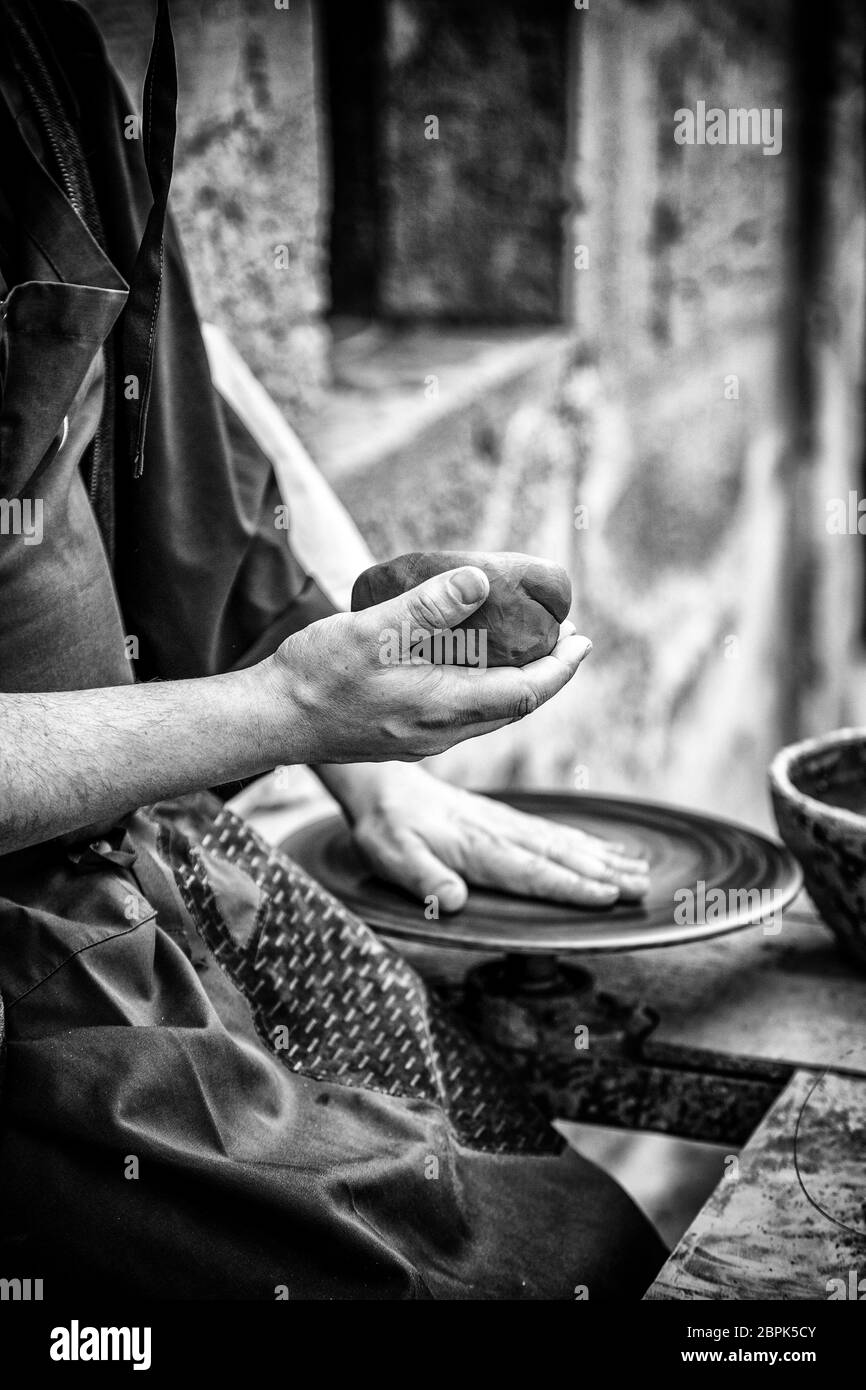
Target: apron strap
<point x="142" y="307"/>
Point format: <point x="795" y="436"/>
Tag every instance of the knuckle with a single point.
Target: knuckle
<point x="548" y="849"/>
<point x="476" y="842"/>
<point x="527" y="702"/>
<point x="539" y="868"/>
<point x="427" y="611"/>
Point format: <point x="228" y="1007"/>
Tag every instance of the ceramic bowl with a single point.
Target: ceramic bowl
<point x="819" y="798"/>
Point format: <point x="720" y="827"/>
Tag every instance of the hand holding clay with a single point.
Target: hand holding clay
<point x="521" y="616"/>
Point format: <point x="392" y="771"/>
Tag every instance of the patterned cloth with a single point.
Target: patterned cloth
<point x="337" y="1004"/>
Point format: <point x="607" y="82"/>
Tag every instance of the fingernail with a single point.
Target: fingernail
<point x="630" y="863"/>
<point x="638" y="884"/>
<point x="605" y="892"/>
<point x="468" y="585"/>
<point x="450" y="895"/>
<point x="586" y="650"/>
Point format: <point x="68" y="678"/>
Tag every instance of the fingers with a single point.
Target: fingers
<point x="572" y="847"/>
<point x="612" y="851"/>
<point x="437" y="605"/>
<point x="512" y="868"/>
<point x="550" y="673"/>
<point x="583" y="855"/>
<point x="405" y="859"/>
<point x="487" y="694"/>
<point x="504" y="694"/>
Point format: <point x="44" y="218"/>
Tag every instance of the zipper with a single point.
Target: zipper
<point x="35" y="96"/>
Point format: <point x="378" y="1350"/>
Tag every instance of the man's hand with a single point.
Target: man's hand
<point x="339" y="695"/>
<point x="433" y="839"/>
<point x="325" y="696"/>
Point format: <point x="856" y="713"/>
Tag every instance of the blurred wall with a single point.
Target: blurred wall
<point x="723" y="303"/>
<point x="682" y="567"/>
<point x="249" y="191"/>
<point x="682" y="463"/>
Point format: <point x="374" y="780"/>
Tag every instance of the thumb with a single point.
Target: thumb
<point x="441" y="602"/>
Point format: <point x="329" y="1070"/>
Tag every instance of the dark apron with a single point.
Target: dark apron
<point x="268" y="1105"/>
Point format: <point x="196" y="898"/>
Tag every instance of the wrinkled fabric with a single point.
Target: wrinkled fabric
<point x="61" y="626"/>
<point x="187" y="1160"/>
<point x="203" y="579"/>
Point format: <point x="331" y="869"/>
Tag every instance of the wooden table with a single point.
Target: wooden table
<point x="787" y="1001"/>
<point x="762" y="1235"/>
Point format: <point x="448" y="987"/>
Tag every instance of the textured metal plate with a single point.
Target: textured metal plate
<point x="753" y="872"/>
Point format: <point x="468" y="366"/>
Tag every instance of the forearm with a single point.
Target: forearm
<point x="74" y="758"/>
